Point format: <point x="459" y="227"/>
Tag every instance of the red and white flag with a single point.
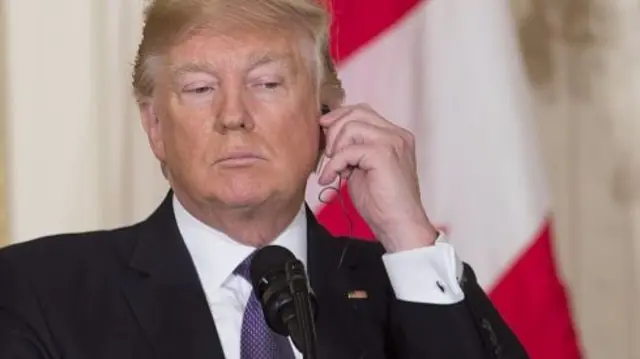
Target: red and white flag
<point x="450" y="71"/>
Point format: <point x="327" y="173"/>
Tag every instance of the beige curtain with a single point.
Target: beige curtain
<point x="583" y="62"/>
<point x="78" y="159"/>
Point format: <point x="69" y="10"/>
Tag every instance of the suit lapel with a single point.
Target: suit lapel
<point x="167" y="299"/>
<point x="165" y="294"/>
<point x="331" y="263"/>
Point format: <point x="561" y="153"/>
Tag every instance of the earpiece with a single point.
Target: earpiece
<point x="325" y="109"/>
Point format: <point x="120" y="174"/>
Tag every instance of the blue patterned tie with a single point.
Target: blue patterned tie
<point x="257" y="340"/>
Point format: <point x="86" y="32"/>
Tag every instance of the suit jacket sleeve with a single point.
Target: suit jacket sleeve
<point x="21" y="324"/>
<point x="469" y="329"/>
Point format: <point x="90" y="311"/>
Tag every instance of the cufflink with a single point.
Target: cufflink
<point x="357" y="294"/>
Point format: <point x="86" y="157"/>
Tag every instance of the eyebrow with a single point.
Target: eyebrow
<point x="286" y="60"/>
<point x="191" y="67"/>
<point x="268" y="58"/>
<point x="256" y="61"/>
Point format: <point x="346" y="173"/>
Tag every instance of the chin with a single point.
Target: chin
<point x="241" y="200"/>
<point x="242" y="194"/>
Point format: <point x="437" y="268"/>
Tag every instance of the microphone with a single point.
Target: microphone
<point x="280" y="283"/>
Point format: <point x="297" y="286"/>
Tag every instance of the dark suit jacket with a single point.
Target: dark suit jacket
<point x="133" y="293"/>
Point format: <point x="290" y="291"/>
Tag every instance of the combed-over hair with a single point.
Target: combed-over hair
<point x="168" y="22"/>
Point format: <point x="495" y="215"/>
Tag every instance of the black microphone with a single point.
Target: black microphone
<point x="280" y="283"/>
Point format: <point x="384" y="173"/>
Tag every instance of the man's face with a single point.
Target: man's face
<point x="234" y="117"/>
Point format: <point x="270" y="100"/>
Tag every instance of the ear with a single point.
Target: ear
<point x="153" y="128"/>
<point x="322" y="141"/>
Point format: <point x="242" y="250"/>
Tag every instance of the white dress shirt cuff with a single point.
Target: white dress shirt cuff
<point x="429" y="275"/>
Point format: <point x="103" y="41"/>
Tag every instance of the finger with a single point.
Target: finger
<point x="334" y="115"/>
<point x="354" y="157"/>
<point x="361" y="111"/>
<point x="357" y="132"/>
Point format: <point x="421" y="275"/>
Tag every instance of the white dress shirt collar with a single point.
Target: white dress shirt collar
<point x="216" y="255"/>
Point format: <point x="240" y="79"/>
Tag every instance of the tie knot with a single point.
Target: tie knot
<point x="244" y="268"/>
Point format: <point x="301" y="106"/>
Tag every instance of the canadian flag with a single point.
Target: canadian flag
<point x="450" y="71"/>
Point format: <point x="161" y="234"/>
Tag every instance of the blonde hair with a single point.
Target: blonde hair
<point x="168" y="22"/>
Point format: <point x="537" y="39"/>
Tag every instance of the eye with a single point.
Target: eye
<point x="201" y="90"/>
<point x="271" y="85"/>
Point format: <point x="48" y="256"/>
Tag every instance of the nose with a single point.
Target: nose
<point x="233" y="114"/>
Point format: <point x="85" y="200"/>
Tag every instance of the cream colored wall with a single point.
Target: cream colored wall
<point x="582" y="58"/>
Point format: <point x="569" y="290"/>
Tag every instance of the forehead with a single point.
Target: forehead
<point x="239" y="48"/>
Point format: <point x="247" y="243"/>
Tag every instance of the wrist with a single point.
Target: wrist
<point x="411" y="238"/>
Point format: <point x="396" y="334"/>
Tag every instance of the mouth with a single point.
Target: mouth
<point x="239" y="159"/>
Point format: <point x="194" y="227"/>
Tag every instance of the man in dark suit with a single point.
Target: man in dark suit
<point x="231" y="95"/>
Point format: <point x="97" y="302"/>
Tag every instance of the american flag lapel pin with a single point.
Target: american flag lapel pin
<point x="357" y="294"/>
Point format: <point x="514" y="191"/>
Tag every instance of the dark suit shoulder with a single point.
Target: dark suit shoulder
<point x="64" y="291"/>
<point x="69" y="251"/>
<point x="367" y="246"/>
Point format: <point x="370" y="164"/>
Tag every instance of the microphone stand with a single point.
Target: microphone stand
<point x="298" y="285"/>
